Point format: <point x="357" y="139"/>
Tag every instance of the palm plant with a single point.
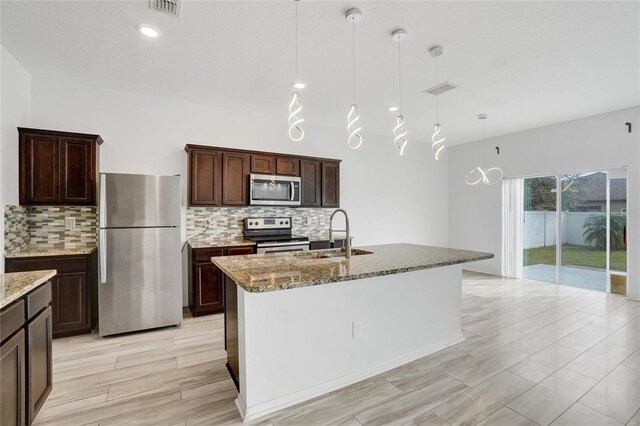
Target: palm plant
<point x="595" y="231"/>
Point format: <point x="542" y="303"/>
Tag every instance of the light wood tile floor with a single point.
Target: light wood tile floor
<point x="534" y="354"/>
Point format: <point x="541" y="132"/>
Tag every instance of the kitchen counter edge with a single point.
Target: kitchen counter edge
<point x="14" y="285"/>
<point x="462" y="256"/>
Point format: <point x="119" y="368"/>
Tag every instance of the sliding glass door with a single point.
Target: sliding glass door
<point x="574" y="230"/>
<point x="539" y="229"/>
<point x="583" y="224"/>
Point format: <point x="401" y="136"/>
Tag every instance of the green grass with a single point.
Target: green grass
<point x="576" y="256"/>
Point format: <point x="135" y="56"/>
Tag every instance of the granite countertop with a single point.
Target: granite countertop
<point x="13" y="285"/>
<point x="269" y="272"/>
<point x="65" y="250"/>
<point x="219" y="242"/>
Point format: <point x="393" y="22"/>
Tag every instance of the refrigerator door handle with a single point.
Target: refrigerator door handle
<point x="102" y="248"/>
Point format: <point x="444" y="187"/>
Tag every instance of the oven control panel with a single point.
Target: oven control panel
<point x="267" y="223"/>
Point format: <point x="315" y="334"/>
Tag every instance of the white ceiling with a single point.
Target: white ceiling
<point x="526" y="64"/>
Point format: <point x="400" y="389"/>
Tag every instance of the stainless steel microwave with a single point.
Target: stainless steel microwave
<point x="272" y="190"/>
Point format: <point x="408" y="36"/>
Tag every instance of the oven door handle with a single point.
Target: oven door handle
<point x="291" y="243"/>
<point x="293" y="191"/>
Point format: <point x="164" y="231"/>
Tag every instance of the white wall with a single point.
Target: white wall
<point x="593" y="143"/>
<point x="15" y="110"/>
<point x="388" y="198"/>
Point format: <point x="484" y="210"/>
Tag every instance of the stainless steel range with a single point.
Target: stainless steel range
<point x="273" y="235"/>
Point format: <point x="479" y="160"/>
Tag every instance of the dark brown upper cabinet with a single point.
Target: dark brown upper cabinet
<point x="264" y="164"/>
<point x="235" y="179"/>
<point x="288" y="166"/>
<point x="330" y="184"/>
<point x="205" y="177"/>
<point x="58" y="168"/>
<point x="311" y="176"/>
<point x="220" y="176"/>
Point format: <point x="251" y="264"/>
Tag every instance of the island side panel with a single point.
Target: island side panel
<point x="299" y="343"/>
<point x="231" y="329"/>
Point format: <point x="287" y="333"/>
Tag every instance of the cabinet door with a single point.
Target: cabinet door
<point x="13" y="391"/>
<point x="39" y="362"/>
<point x="287" y="166"/>
<point x="205" y="184"/>
<point x="310" y="175"/>
<point x="265" y="164"/>
<point x="70" y="312"/>
<point x="208" y="294"/>
<point x="39" y="169"/>
<point x="77" y="171"/>
<point x="330" y="184"/>
<point x="235" y="179"/>
<point x="235" y="251"/>
<point x="319" y="245"/>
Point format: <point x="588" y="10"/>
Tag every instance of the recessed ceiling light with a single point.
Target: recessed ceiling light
<point x="148" y="31"/>
<point x="299" y="84"/>
<point x="392" y="108"/>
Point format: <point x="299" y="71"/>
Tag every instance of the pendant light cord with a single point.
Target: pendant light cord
<point x="353" y="46"/>
<point x="296" y="38"/>
<point x="484" y="141"/>
<point x="437" y="96"/>
<point x="399" y="80"/>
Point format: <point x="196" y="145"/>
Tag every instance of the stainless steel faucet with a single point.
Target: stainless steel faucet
<point x="347" y="243"/>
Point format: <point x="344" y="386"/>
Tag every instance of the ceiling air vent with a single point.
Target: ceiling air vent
<point x="170" y="7"/>
<point x="440" y="88"/>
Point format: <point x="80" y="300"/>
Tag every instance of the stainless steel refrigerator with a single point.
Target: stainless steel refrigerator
<point x="140" y="280"/>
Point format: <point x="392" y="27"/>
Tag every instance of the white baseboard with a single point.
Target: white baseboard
<point x="265" y="408"/>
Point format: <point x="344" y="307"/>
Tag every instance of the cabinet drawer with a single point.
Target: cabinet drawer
<point x="235" y="251"/>
<point x="11" y="319"/>
<point x="205" y="255"/>
<point x="61" y="264"/>
<point x="38" y="299"/>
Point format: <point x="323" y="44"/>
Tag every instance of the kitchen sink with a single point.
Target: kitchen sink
<point x="354" y="252"/>
<point x="330" y="254"/>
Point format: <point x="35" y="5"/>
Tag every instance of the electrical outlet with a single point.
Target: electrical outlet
<point x="357" y="329"/>
<point x="70" y="223"/>
<point x="308" y="220"/>
<point x="206" y="223"/>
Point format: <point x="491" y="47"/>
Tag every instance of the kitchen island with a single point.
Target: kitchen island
<point x="303" y="324"/>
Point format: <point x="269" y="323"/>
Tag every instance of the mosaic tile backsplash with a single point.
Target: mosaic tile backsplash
<point x="16" y="227"/>
<point x="227" y="222"/>
<point x="45" y="226"/>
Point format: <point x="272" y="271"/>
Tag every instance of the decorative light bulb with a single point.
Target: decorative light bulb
<point x="438" y="140"/>
<point x="295" y="130"/>
<point x="353" y="127"/>
<point x="399" y="133"/>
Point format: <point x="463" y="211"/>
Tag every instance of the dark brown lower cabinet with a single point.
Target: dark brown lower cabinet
<point x="74" y="290"/>
<point x="206" y="286"/>
<point x="39" y="362"/>
<point x="26" y="361"/>
<point x="13" y="372"/>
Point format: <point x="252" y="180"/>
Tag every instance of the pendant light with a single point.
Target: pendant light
<point x="354" y="140"/>
<point x="476" y="175"/>
<point x="437" y="138"/>
<point x="399" y="131"/>
<point x="296" y="133"/>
